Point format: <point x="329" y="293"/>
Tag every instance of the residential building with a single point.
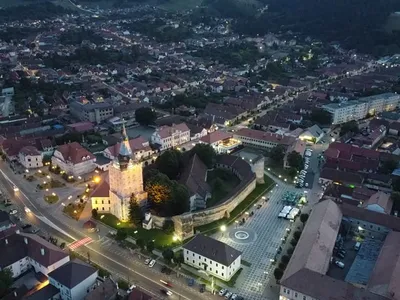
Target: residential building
<point x="171" y="136"/>
<point x="221" y="141"/>
<point x="74" y="280"/>
<point x="379" y="202"/>
<point x="125" y="180"/>
<point x="262" y="140"/>
<point x="106" y="290"/>
<point x="214" y="257"/>
<point x="22" y="251"/>
<point x="92" y="112"/>
<point x="196" y="132"/>
<point x="347" y="111"/>
<point x="306" y="276"/>
<point x="140" y="149"/>
<point x="312" y="134"/>
<point x="298" y="146"/>
<point x="358" y="109"/>
<point x="5" y="222"/>
<point x="74" y="159"/>
<point x="194" y="177"/>
<point x="30" y="157"/>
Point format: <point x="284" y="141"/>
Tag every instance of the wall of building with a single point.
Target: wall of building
<point x="212" y="267"/>
<point x="45" y="270"/>
<point x="19" y="267"/>
<point x="30" y="161"/>
<point x="102" y="204"/>
<point x="288" y="294"/>
<point x="81" y="290"/>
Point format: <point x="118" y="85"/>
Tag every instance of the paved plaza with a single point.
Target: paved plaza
<point x="259" y="239"/>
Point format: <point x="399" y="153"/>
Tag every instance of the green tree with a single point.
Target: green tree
<point x="169" y="163"/>
<point x="150" y="246"/>
<point x="180" y="199"/>
<point x="94" y="213"/>
<point x="297" y="235"/>
<point x="158" y="188"/>
<point x="321" y="116"/>
<point x="135" y="214"/>
<point x="6" y="281"/>
<point x="140" y="243"/>
<point x="277" y="155"/>
<point x="206" y="153"/>
<point x="168" y="254"/>
<point x="295" y="160"/>
<point x="292" y="172"/>
<point x="121" y="234"/>
<point x="396" y="184"/>
<point x="351" y="126"/>
<point x="145" y="116"/>
<point x="168" y="227"/>
<point x="285" y="259"/>
<point x="304" y="218"/>
<point x="278" y="273"/>
<point x="389" y="166"/>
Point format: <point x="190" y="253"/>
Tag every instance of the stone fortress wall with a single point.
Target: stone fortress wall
<point x="249" y="176"/>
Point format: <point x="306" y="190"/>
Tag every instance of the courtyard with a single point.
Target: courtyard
<point x="259" y="238"/>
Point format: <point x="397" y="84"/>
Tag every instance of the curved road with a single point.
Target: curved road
<point x="129" y="269"/>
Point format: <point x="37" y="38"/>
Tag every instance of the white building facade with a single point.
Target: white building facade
<point x="213" y="257"/>
<point x="171" y="136"/>
<point x="30" y="158"/>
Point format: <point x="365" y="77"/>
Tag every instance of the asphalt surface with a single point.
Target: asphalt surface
<point x="131" y="269"/>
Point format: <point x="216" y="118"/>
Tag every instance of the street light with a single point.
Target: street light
<point x="223" y="228"/>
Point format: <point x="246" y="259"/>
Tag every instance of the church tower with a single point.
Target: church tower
<point x="125" y="176"/>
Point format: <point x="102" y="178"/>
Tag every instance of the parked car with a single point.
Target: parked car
<point x="341" y="255"/>
<point x="228" y="295"/>
<point x="234" y="297"/>
<point x="306" y="184"/>
<point x="339" y="264"/>
<point x="26" y="226"/>
<point x="152" y="263"/>
<point x="166" y="292"/>
<point x="13" y="212"/>
<point x="147" y="261"/>
<point x="202" y="288"/>
<point x="222" y="292"/>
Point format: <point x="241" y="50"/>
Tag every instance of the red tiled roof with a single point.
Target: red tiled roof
<point x="29" y="150"/>
<point x="81" y="126"/>
<point x="102" y="190"/>
<point x="215" y="137"/>
<point x="265" y="136"/>
<point x="166" y="131"/>
<point x="74" y="153"/>
<point x="136" y="144"/>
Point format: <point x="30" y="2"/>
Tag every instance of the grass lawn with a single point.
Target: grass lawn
<point x="280" y="171"/>
<point x="74" y="210"/>
<point x="221" y="182"/>
<point x="161" y="239"/>
<point x="241" y="208"/>
<point x="51" y="199"/>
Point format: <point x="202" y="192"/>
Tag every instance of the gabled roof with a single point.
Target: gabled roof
<point x="215" y="136"/>
<point x="213" y="249"/>
<point x="381" y="199"/>
<point x="74" y="153"/>
<point x="72" y="273"/>
<point x="137" y="144"/>
<point x="194" y="177"/>
<point x="167" y="131"/>
<point x="102" y="190"/>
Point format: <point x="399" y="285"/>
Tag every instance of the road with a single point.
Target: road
<point x="128" y="267"/>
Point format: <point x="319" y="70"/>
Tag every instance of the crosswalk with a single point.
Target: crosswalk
<point x="83" y="242"/>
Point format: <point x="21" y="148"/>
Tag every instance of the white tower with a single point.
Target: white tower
<point x="126" y="178"/>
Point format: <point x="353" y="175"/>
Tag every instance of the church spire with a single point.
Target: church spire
<point x="125" y="152"/>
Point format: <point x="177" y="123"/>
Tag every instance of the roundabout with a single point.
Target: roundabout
<point x="242" y="235"/>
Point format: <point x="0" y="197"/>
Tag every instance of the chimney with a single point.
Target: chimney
<point x="42" y="251"/>
<point x="26" y="240"/>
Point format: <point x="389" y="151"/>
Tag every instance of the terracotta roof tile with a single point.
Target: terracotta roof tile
<point x="75" y="153"/>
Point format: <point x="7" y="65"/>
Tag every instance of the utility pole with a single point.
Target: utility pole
<point x="88" y="257"/>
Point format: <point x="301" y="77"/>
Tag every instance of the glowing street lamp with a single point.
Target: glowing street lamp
<point x="223" y="228"/>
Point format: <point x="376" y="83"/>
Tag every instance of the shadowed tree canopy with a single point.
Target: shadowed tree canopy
<point x="206" y="153"/>
<point x="169" y="163"/>
<point x="145" y="116"/>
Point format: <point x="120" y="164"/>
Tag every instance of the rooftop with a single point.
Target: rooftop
<point x="72" y="273"/>
<point x="213" y="249"/>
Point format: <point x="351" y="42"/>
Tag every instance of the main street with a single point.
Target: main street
<point x="120" y="264"/>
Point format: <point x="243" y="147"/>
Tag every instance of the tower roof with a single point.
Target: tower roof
<point x="125" y="149"/>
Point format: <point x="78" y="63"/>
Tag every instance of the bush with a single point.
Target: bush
<point x="168" y="227"/>
<point x="122" y="284"/>
<point x="297" y="235"/>
<point x="94" y="213"/>
<point x="282" y="266"/>
<point x="293" y="242"/>
<point x="285" y="259"/>
<point x="278" y="273"/>
<point x="290" y="251"/>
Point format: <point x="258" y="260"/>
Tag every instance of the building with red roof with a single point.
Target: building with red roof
<point x="74" y="159"/>
<point x="221" y="141"/>
<point x="171" y="136"/>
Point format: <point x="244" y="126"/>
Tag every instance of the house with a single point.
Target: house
<point x="74" y="159"/>
<point x="171" y="136"/>
<point x="196" y="132"/>
<point x="11" y="147"/>
<point x="140" y="149"/>
<point x="216" y="258"/>
<point x="221" y="141"/>
<point x="379" y="202"/>
<point x="194" y="177"/>
<point x="30" y="157"/>
<point x="262" y="140"/>
<point x="22" y="251"/>
<point x="138" y="295"/>
<point x="74" y="279"/>
<point x="394" y="128"/>
<point x="312" y="134"/>
<point x="81" y="127"/>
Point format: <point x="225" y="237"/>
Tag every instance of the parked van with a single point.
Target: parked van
<point x="357" y="246"/>
<point x="339" y="264"/>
